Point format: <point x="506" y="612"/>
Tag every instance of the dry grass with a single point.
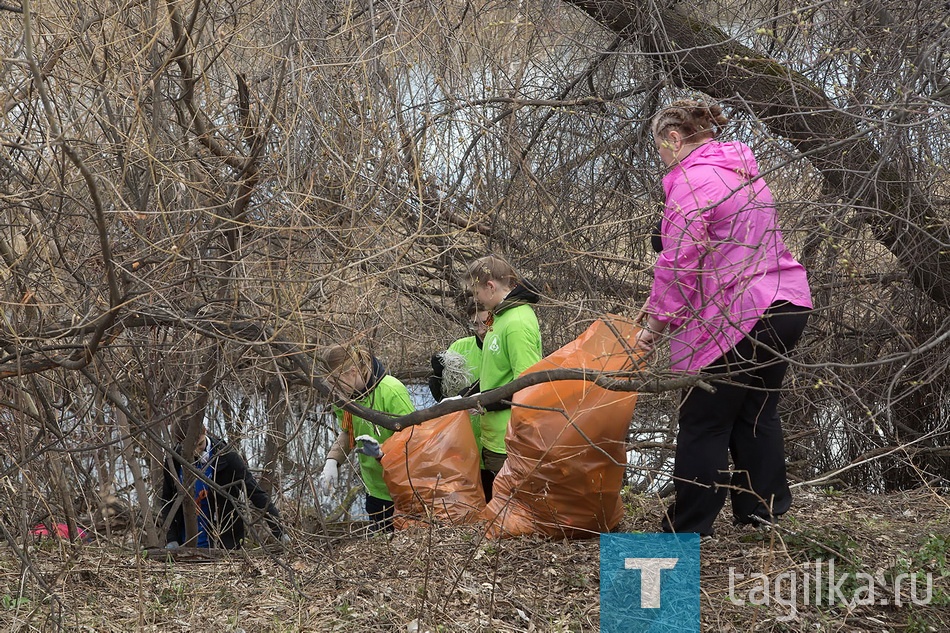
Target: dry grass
<point x="450" y="579"/>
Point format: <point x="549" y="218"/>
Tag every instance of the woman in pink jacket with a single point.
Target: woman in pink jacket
<point x="733" y="302"/>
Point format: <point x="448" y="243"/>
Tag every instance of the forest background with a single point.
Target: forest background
<point x="197" y="195"/>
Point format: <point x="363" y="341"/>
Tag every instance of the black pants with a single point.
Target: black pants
<point x="488" y="482"/>
<point x="493" y="462"/>
<point x="740" y="418"/>
<point x="380" y="512"/>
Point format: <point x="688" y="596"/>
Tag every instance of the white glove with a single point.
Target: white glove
<point x="370" y="446"/>
<point x="329" y="476"/>
<point x="172" y="545"/>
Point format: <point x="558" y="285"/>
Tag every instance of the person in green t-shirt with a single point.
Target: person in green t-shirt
<point x="455" y="371"/>
<point x="512" y="345"/>
<point x="362" y="378"/>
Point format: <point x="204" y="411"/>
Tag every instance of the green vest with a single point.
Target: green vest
<point x="389" y="396"/>
<point x="511" y="346"/>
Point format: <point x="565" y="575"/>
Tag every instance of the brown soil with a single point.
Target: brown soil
<point x="451" y="579"/>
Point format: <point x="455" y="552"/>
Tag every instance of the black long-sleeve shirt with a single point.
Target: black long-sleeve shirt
<point x="231" y="475"/>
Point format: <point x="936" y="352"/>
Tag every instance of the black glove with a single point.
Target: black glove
<point x="435" y="380"/>
<point x="656" y="241"/>
<point x="474" y="388"/>
<point x="471" y="390"/>
<point x="497" y="406"/>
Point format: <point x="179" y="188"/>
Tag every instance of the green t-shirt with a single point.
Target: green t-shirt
<point x="511" y="346"/>
<point x="468" y="347"/>
<point x="389" y="396"/>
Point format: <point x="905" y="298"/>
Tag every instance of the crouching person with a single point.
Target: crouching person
<point x="361" y="377"/>
<point x="217" y="504"/>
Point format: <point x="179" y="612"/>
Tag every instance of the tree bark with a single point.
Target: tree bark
<point x="275" y="443"/>
<point x="138" y="479"/>
<point x="700" y="56"/>
<point x="195" y="426"/>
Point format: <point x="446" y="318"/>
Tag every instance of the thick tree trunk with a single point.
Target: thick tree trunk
<point x="275" y="444"/>
<point x="195" y="424"/>
<point x="700" y="56"/>
<point x="138" y="478"/>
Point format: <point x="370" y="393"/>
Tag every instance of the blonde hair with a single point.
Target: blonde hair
<point x="180" y="430"/>
<point x="692" y="117"/>
<point x="339" y="357"/>
<point x="491" y="268"/>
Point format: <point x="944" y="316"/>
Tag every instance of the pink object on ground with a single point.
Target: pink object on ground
<point x="59" y="529"/>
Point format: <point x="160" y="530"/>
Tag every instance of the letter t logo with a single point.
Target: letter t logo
<point x="649" y="578"/>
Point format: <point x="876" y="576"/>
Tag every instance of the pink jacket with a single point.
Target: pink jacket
<point x="724" y="261"/>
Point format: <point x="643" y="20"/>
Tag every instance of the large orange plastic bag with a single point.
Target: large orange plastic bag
<point x="564" y="470"/>
<point x="432" y="472"/>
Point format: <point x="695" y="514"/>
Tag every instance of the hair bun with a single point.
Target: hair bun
<point x="690" y="116"/>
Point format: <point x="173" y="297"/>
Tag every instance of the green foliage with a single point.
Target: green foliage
<point x="930" y="558"/>
<point x="10" y="602"/>
<point x="933" y="553"/>
<point x="344" y="609"/>
<point x="921" y="623"/>
<point x="172" y="594"/>
<point x="577" y="581"/>
<point x="809" y="544"/>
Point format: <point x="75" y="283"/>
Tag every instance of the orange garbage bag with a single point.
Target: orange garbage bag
<point x="564" y="471"/>
<point x="432" y="472"/>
